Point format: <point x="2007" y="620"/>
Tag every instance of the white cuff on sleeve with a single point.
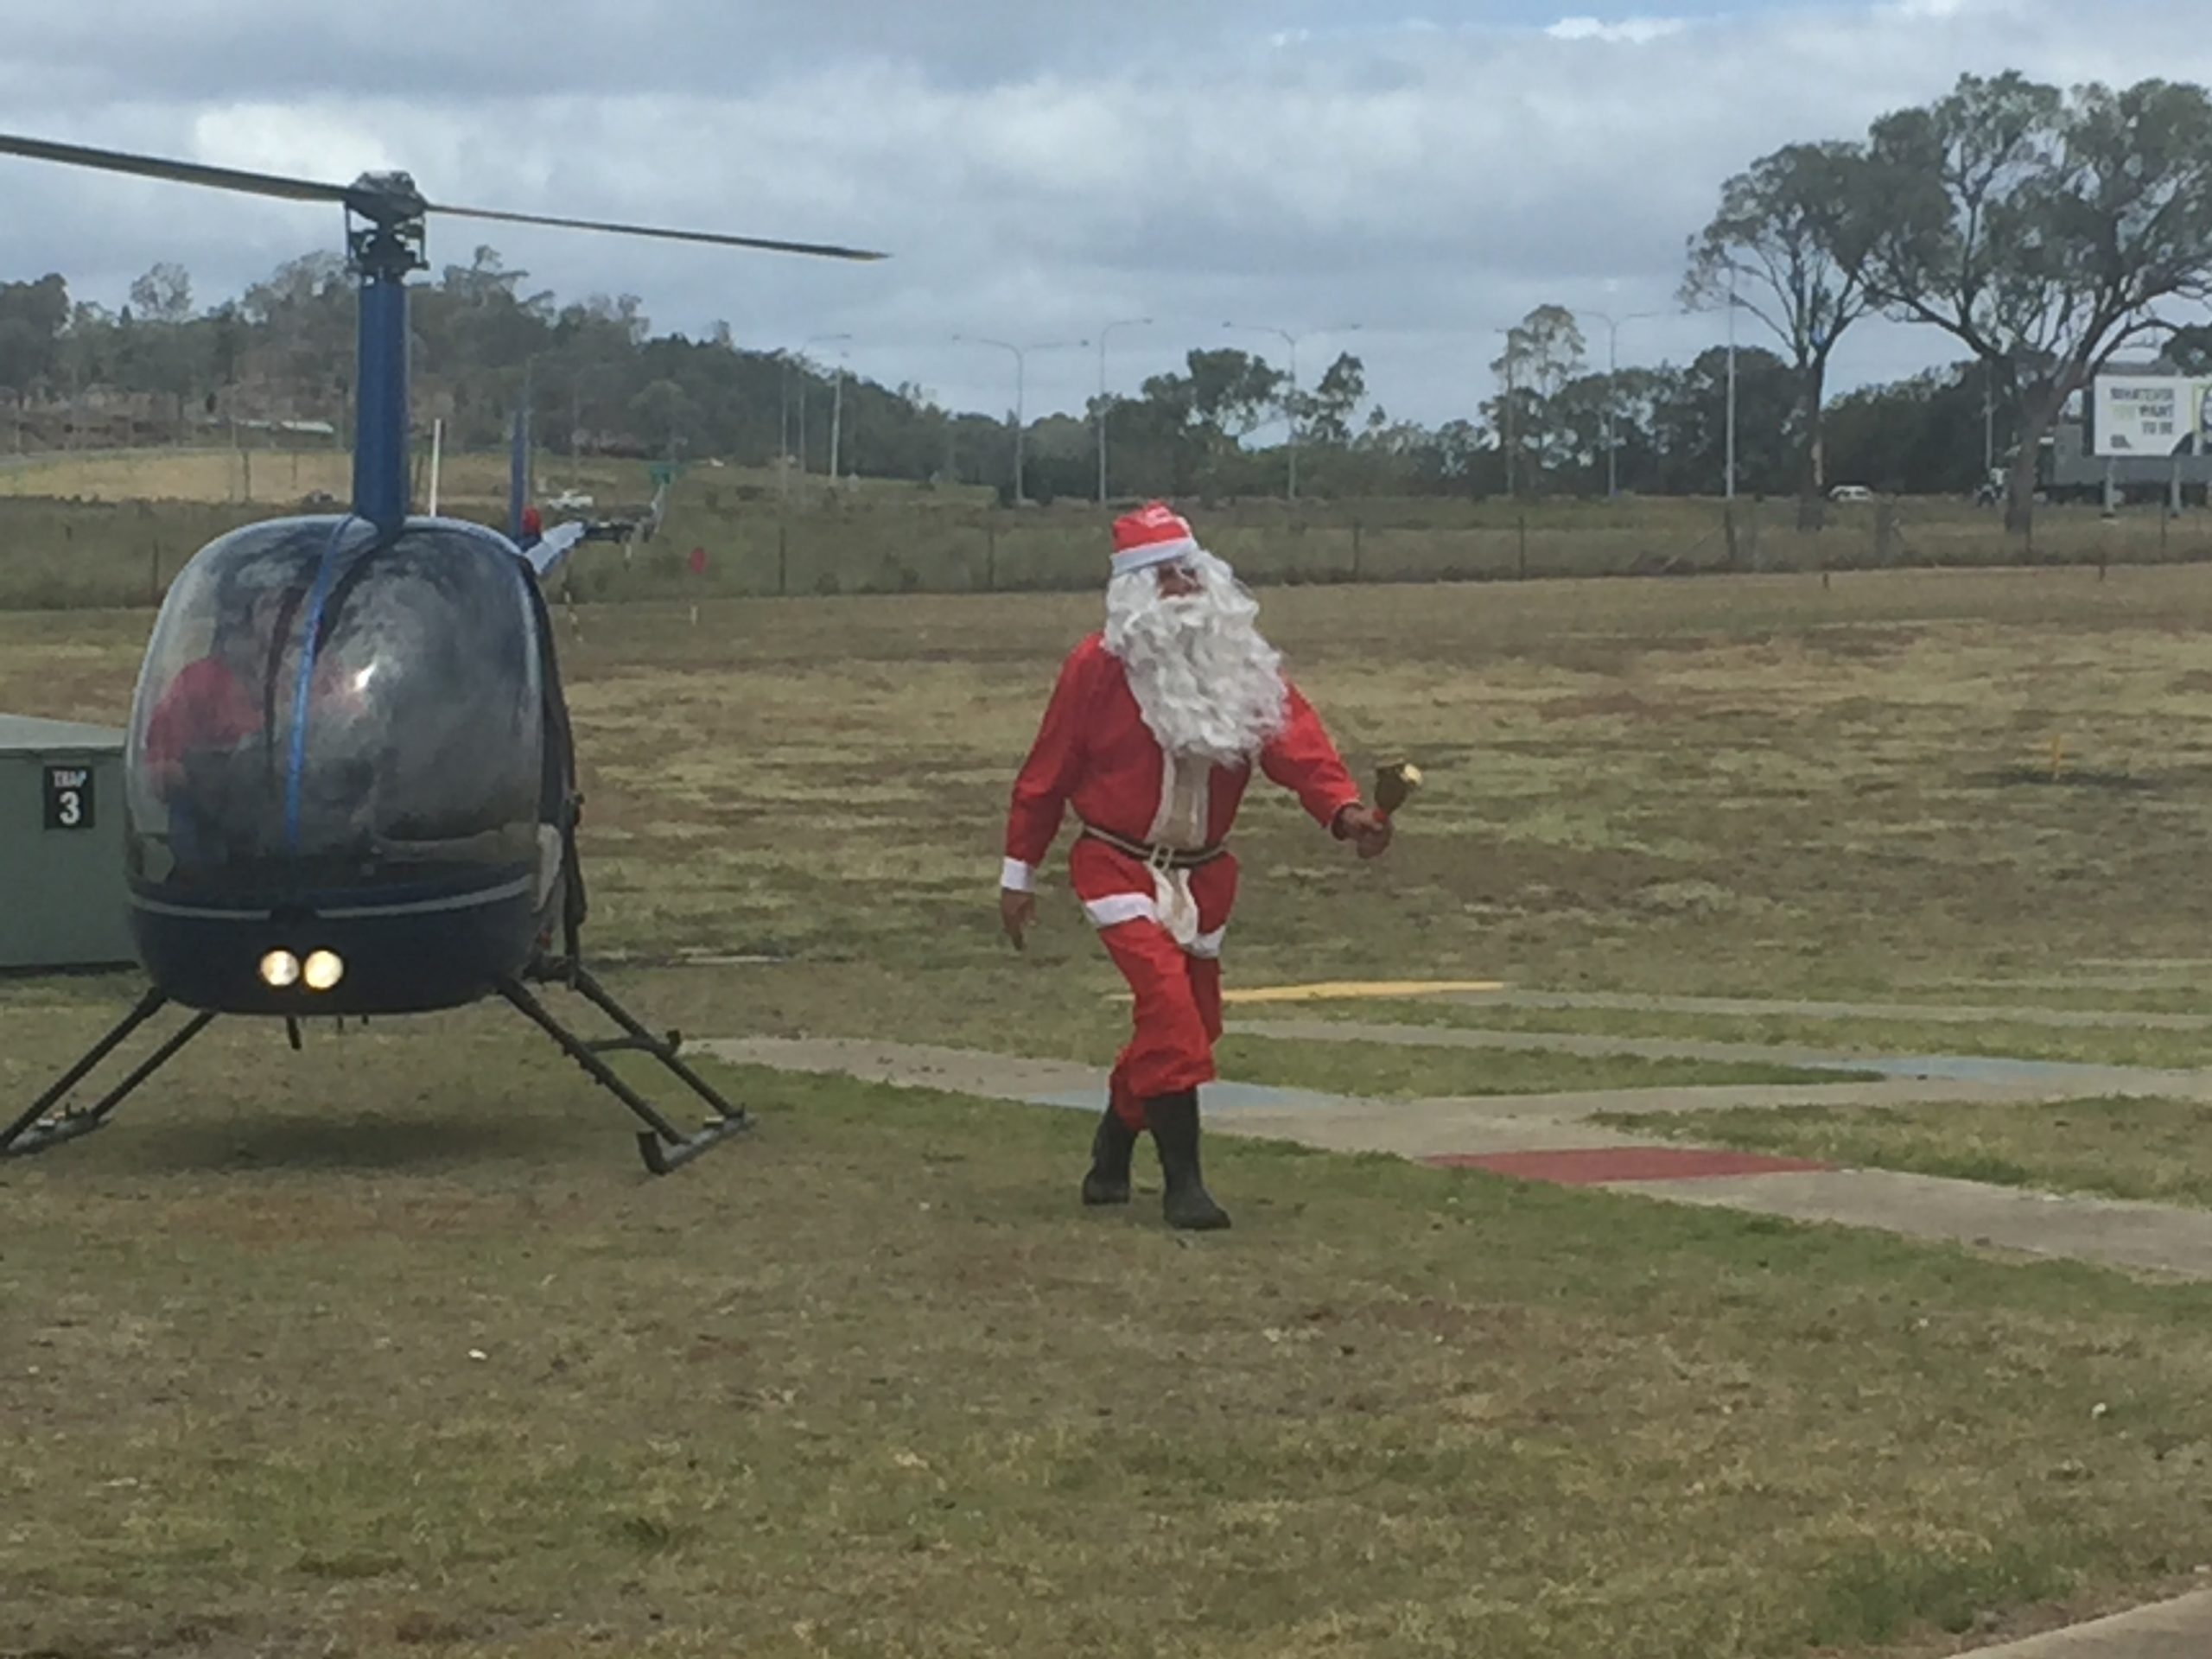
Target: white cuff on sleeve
<point x="1014" y="876"/>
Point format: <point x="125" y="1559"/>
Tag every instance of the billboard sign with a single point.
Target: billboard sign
<point x="2146" y="414"/>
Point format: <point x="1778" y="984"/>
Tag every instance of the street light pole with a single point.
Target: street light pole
<point x="1004" y="345"/>
<point x="1612" y="394"/>
<point x="811" y="339"/>
<point x="1124" y="322"/>
<point x="1730" y="485"/>
<point x="784" y="413"/>
<point x="1510" y="435"/>
<point x="1290" y="341"/>
<point x="1020" y="372"/>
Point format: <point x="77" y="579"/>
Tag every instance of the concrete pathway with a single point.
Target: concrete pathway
<point x="1944" y="1013"/>
<point x="2071" y="1078"/>
<point x="2174" y="1629"/>
<point x="1548" y="1136"/>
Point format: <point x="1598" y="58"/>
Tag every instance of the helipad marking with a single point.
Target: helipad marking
<point x="1333" y="990"/>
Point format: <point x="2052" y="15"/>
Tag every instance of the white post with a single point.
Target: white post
<point x="836" y="418"/>
<point x="437" y="443"/>
<point x="1988" y="420"/>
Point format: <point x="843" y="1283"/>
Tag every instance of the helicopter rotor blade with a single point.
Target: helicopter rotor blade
<point x="824" y="250"/>
<point x="291" y="189"/>
<point x="154" y="167"/>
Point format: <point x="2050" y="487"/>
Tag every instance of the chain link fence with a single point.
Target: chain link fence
<point x="62" y="554"/>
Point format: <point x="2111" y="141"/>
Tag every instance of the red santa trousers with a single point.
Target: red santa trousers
<point x="1176" y="1017"/>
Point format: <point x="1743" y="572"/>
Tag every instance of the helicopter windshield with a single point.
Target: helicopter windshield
<point x="321" y="710"/>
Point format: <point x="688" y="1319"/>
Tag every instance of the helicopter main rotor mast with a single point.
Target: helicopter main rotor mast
<point x="382" y="251"/>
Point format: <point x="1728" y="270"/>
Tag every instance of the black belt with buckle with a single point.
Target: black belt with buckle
<point x="1159" y="858"/>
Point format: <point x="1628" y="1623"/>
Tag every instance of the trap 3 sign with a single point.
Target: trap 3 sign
<point x="69" y="798"/>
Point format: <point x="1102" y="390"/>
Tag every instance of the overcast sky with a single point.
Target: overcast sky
<point x="1427" y="171"/>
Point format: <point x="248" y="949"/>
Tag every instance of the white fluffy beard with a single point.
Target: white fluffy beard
<point x="1205" y="681"/>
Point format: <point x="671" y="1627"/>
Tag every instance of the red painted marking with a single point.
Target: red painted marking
<point x="1589" y="1166"/>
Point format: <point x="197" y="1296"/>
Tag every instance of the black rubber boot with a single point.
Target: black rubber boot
<point x="1186" y="1203"/>
<point x="1108" y="1180"/>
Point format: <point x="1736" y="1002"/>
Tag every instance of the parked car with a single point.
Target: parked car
<point x="1851" y="492"/>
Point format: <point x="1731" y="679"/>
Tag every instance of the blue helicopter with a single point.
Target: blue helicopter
<point x="350" y="778"/>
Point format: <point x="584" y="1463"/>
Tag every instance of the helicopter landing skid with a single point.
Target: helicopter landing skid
<point x="663" y="1146"/>
<point x="43" y="1126"/>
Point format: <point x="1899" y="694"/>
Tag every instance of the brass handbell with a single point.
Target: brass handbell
<point x="1395" y="783"/>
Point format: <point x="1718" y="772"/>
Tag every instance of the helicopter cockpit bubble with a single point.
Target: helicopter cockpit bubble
<point x="328" y="717"/>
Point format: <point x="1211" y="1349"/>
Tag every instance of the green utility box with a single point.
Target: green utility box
<point x="62" y="900"/>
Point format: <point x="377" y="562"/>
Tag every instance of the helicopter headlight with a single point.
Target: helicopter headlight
<point x="324" y="969"/>
<point x="280" y="970"/>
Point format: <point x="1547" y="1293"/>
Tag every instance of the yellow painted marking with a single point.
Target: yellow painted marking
<point x="1334" y="990"/>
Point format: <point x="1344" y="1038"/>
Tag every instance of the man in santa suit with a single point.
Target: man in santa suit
<point x="1151" y="736"/>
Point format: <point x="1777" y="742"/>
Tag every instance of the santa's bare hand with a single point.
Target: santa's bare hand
<point x="1017" y="912"/>
<point x="1368" y="830"/>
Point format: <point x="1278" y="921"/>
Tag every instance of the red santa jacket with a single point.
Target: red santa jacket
<point x="1094" y="752"/>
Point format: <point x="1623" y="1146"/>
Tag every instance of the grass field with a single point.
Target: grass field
<point x="872" y="1383"/>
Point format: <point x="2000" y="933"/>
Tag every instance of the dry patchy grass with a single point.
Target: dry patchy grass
<point x="872" y="1382"/>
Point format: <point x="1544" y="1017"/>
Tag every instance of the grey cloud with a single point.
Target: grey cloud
<point x="1430" y="183"/>
<point x="498" y="52"/>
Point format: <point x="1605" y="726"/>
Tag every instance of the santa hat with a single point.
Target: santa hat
<point x="1153" y="535"/>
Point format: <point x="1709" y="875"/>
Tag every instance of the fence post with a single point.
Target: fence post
<point x="990" y="556"/>
<point x="1355" y="550"/>
<point x="782" y="559"/>
<point x="1522" y="560"/>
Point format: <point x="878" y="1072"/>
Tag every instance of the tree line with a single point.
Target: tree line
<point x="2042" y="230"/>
